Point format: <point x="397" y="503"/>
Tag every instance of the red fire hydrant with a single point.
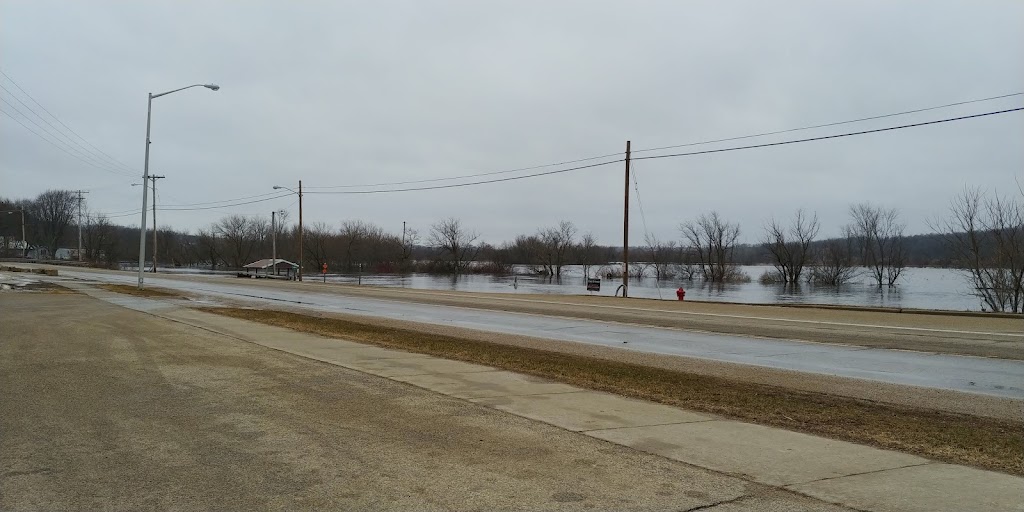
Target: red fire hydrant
<point x="681" y="293"/>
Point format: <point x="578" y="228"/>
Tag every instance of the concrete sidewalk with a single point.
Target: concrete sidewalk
<point x="838" y="472"/>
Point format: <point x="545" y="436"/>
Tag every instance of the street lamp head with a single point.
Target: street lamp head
<point x="212" y="87"/>
<point x="277" y="187"/>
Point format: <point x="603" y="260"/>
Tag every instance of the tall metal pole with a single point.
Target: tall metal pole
<point x="300" y="230"/>
<point x="625" y="233"/>
<point x="273" y="230"/>
<point x="145" y="177"/>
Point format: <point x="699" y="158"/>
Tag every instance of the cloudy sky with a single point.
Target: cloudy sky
<point x="346" y="94"/>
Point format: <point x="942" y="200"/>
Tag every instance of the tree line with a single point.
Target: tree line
<point x="982" y="235"/>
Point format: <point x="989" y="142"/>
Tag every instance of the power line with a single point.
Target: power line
<point x="476" y="175"/>
<point x="110" y="159"/>
<point x="58" y="136"/>
<point x="905" y="112"/>
<point x="173" y="209"/>
<point x="558" y="171"/>
<point x="57" y="141"/>
<point x="48" y="141"/>
<point x="498" y="180"/>
<point x="225" y="200"/>
<point x="468" y="175"/>
<point x="851" y="134"/>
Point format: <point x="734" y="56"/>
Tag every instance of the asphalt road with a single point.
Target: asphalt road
<point x="989" y="376"/>
<point x="107" y="408"/>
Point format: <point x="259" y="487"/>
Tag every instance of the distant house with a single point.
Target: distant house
<point x="18" y="248"/>
<point x="266" y="268"/>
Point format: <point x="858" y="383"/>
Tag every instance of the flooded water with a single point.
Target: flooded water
<point x="923" y="288"/>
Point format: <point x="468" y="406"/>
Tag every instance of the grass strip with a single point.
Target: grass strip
<point x="134" y="290"/>
<point x="957" y="438"/>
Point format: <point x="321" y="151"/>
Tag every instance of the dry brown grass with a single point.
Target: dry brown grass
<point x="961" y="439"/>
<point x="132" y="290"/>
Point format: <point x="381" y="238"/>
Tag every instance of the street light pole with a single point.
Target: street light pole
<point x="145" y="176"/>
<point x="145" y="190"/>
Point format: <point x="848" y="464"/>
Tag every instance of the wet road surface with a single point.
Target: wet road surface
<point x="996" y="377"/>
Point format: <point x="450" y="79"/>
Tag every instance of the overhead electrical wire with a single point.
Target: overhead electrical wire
<point x="100" y="154"/>
<point x="476" y="175"/>
<point x="48" y="141"/>
<point x="825" y="137"/>
<point x="57" y="142"/>
<point x="674" y="155"/>
<point x="826" y="125"/>
<point x="138" y="211"/>
<point x="456" y="185"/>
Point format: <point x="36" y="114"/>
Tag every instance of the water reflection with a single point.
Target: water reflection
<point x="921" y="288"/>
<point x="924" y="288"/>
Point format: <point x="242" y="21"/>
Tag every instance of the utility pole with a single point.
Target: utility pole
<point x="154" y="178"/>
<point x="625" y="233"/>
<point x="80" y="192"/>
<point x="300" y="230"/>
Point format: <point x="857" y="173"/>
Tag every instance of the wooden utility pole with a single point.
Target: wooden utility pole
<point x="625" y="232"/>
<point x="154" y="178"/>
<point x="300" y="231"/>
<point x="80" y="192"/>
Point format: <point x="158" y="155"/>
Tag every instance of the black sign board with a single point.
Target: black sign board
<point x="593" y="285"/>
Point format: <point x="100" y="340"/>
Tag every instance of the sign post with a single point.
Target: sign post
<point x="324" y="270"/>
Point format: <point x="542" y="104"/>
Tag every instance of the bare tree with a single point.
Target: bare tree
<point x="834" y="263"/>
<point x="99" y="240"/>
<point x="353" y="238"/>
<point x="526" y="249"/>
<point x="791" y="247"/>
<point x="587" y="253"/>
<point x="879" y="234"/>
<point x="241" y="238"/>
<point x="53" y="211"/>
<point x="660" y="255"/>
<point x="316" y="242"/>
<point x="986" y="237"/>
<point x="713" y="241"/>
<point x="555" y="243"/>
<point x="208" y="247"/>
<point x="456" y="244"/>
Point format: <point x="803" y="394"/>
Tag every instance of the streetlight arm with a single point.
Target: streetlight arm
<point x="286" y="188"/>
<point x="212" y="87"/>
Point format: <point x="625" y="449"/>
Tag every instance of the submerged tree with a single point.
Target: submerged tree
<point x="456" y="244"/>
<point x="713" y="242"/>
<point x="879" y="234"/>
<point x="791" y="247"/>
<point x="986" y="236"/>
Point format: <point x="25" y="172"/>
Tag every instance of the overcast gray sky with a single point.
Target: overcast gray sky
<point x="354" y="93"/>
